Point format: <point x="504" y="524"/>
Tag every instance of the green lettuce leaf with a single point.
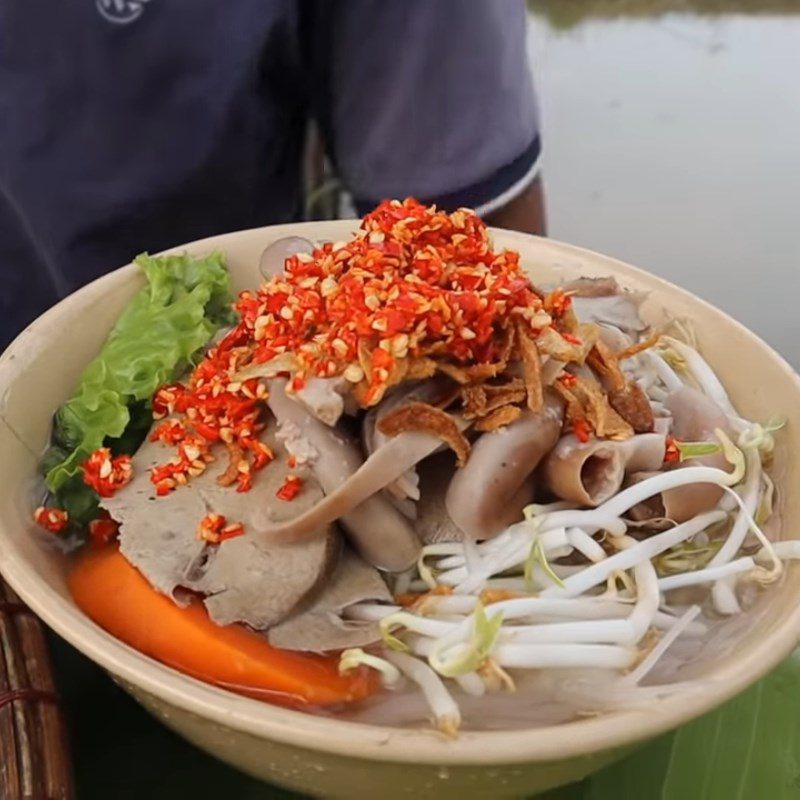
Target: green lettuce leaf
<point x="158" y="335"/>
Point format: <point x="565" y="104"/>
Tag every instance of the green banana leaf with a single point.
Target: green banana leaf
<point x="748" y="749"/>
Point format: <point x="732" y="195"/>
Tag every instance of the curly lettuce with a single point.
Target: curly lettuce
<point x="159" y="334"/>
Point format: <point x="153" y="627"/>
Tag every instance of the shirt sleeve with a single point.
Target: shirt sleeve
<point x="430" y="99"/>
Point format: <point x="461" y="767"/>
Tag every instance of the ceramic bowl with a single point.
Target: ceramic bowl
<point x="332" y="758"/>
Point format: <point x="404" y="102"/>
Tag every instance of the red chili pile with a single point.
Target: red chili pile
<point x="413" y="282"/>
<point x="212" y="407"/>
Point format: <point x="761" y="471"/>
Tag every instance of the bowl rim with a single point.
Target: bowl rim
<point x="376" y="742"/>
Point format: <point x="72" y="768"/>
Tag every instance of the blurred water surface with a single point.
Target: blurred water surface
<point x="672" y="143"/>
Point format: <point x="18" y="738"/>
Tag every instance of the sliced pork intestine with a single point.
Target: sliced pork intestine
<point x="591" y="472"/>
<point x="297" y="445"/>
<point x="378" y="531"/>
<point x="695" y="417"/>
<point x="385" y="465"/>
<point x="406" y="487"/>
<point x="484" y="496"/>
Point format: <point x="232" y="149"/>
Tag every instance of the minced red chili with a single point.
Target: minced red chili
<point x="413" y="282"/>
<point x="580" y="427"/>
<point x="214" y="528"/>
<point x="567" y="379"/>
<point x="672" y="455"/>
<point x="51" y="519"/>
<point x="106" y="473"/>
<point x="103" y="530"/>
<point x="414" y="279"/>
<point x="290" y="489"/>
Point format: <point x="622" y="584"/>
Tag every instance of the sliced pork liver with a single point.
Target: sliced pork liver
<point x="320" y="626"/>
<point x="246" y="579"/>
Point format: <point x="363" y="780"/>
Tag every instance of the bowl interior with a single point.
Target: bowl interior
<point x="42" y="366"/>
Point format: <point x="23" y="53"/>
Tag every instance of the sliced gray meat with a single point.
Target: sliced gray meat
<point x="484" y="495"/>
<point x="158" y="534"/>
<point x="385" y="465"/>
<point x="695" y="417"/>
<point x="246" y="582"/>
<point x="433" y="523"/>
<point x="592" y="287"/>
<point x="407" y="485"/>
<point x="380" y="533"/>
<point x="319" y="626"/>
<point x="619" y="310"/>
<point x="614" y="338"/>
<point x="246" y="579"/>
<point x="591" y="472"/>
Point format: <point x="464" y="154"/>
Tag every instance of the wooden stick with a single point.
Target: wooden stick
<point x="34" y="760"/>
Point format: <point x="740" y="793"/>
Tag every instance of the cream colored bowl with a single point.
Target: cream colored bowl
<point x="327" y="757"/>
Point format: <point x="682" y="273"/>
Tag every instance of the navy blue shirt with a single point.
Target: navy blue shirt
<point x="130" y="125"/>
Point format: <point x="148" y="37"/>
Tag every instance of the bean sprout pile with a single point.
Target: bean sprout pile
<point x="570" y="587"/>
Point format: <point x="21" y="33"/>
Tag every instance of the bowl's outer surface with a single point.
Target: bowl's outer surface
<point x="333" y="758"/>
<point x="346" y="777"/>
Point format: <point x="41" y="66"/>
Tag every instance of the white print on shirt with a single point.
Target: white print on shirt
<point x="121" y="12"/>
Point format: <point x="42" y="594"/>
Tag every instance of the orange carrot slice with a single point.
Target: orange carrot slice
<point x="118" y="598"/>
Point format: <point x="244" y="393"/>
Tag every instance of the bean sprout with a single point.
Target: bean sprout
<point x="508" y="604"/>
<point x="750" y="496"/>
<point x="444" y="708"/>
<point x="625" y="559"/>
<point x="707" y="575"/>
<point x="350" y="659"/>
<point x="723" y="597"/>
<point x="647" y="664"/>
